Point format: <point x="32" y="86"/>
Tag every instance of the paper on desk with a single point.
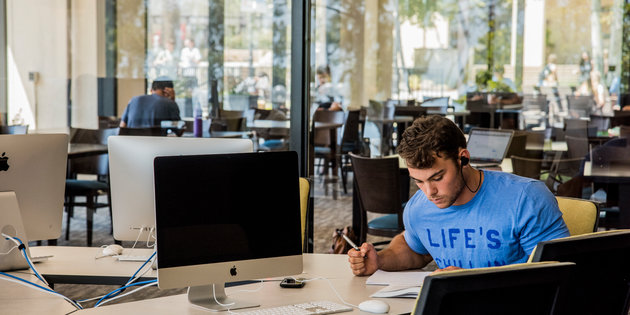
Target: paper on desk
<point x="398" y="278"/>
<point x="397" y="291"/>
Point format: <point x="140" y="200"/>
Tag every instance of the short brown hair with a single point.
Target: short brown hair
<point x="429" y="137"/>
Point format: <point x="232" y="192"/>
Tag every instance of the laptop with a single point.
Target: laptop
<point x="487" y="147"/>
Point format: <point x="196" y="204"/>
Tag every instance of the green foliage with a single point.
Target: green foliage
<point x="482" y="78"/>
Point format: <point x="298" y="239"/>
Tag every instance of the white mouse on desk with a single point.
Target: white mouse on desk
<point x="374" y="306"/>
<point x="112" y="250"/>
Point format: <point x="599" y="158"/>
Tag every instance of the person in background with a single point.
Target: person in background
<point x="497" y="76"/>
<point x="602" y="104"/>
<point x="326" y="95"/>
<point x="461" y="217"/>
<point x="146" y="111"/>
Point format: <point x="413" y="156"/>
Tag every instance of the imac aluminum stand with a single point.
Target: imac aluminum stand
<point x="204" y="297"/>
<point x="11" y="225"/>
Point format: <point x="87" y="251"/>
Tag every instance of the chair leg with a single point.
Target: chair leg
<point x="89" y="218"/>
<point x="68" y="216"/>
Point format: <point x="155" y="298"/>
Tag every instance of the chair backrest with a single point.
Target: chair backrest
<point x="352" y="133"/>
<point x="151" y="131"/>
<point x="92" y="136"/>
<point x="14" y="130"/>
<point x="620" y="118"/>
<point x="581" y="216"/>
<point x="535" y="102"/>
<point x="624" y="131"/>
<point x="413" y="111"/>
<point x="576" y="146"/>
<point x="223" y="113"/>
<point x="322" y="137"/>
<point x="517" y="144"/>
<point x="580" y="106"/>
<point x="304" y="194"/>
<point x="378" y="181"/>
<point x="97" y="164"/>
<point x="576" y="127"/>
<point x="526" y="167"/>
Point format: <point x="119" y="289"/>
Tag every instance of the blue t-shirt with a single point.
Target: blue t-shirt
<point x="149" y="111"/>
<point x="501" y="225"/>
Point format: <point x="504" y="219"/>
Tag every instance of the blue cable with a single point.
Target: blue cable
<point x="38" y="286"/>
<point x="142" y="266"/>
<point x="28" y="260"/>
<point x="122" y="288"/>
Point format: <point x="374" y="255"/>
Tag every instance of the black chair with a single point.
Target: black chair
<point x="229" y="120"/>
<point x="351" y="142"/>
<point x="580" y="106"/>
<point x="378" y="189"/>
<point x="14" y="130"/>
<point x="526" y="167"/>
<point x="90" y="189"/>
<point x="151" y="132"/>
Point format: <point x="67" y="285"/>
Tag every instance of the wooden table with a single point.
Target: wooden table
<point x="335" y="268"/>
<point x="616" y="173"/>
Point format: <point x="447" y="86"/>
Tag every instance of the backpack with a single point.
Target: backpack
<point x="339" y="245"/>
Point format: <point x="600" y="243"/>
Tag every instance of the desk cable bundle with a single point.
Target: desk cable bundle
<point x="20" y="245"/>
<point x="113" y="295"/>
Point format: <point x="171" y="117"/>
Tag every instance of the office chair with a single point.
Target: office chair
<point x="581" y="216"/>
<point x="378" y="188"/>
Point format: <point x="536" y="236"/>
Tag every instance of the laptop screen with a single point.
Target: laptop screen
<point x="488" y="145"/>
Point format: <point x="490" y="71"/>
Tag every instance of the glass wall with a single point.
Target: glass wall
<point x="404" y="49"/>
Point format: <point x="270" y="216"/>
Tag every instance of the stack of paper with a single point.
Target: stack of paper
<point x="398" y="284"/>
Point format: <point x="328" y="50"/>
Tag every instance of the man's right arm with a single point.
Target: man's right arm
<point x="397" y="256"/>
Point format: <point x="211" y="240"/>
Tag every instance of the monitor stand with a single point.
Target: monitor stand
<point x="11" y="224"/>
<point x="202" y="296"/>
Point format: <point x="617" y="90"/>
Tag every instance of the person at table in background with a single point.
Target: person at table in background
<point x="461" y="217"/>
<point x="326" y="95"/>
<point x="497" y="76"/>
<point x="146" y="111"/>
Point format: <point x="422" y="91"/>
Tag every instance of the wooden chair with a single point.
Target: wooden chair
<point x="90" y="189"/>
<point x="351" y="140"/>
<point x="322" y="141"/>
<point x="581" y="216"/>
<point x="378" y="189"/>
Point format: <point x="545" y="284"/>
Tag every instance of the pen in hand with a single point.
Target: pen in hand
<point x="351" y="243"/>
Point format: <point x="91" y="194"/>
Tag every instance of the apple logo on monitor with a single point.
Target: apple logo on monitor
<point x="4" y="162"/>
<point x="233" y="271"/>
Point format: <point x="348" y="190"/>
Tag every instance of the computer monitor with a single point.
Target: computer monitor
<point x="131" y="176"/>
<point x="34" y="167"/>
<point x="488" y="146"/>
<point x="224" y="218"/>
<point x="601" y="282"/>
<point x="515" y="289"/>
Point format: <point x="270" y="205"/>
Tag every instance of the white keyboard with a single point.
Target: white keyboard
<point x="318" y="307"/>
<point x="140" y="258"/>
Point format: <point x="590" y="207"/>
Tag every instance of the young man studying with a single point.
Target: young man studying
<point x="461" y="217"/>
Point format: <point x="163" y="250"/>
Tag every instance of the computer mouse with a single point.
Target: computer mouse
<point x="111" y="250"/>
<point x="374" y="306"/>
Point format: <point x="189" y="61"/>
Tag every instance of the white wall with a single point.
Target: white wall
<point x="85" y="36"/>
<point x="36" y="40"/>
<point x="534" y="34"/>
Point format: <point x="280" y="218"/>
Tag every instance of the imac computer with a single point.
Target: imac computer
<point x="131" y="176"/>
<point x="515" y="289"/>
<point x="602" y="280"/>
<point x="34" y="167"/>
<point x="32" y="185"/>
<point x="224" y="218"/>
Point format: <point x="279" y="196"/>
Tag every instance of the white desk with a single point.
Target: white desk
<point x="78" y="265"/>
<point x="18" y="299"/>
<point x="333" y="267"/>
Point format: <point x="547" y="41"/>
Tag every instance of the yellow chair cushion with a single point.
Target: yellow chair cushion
<point x="304" y="192"/>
